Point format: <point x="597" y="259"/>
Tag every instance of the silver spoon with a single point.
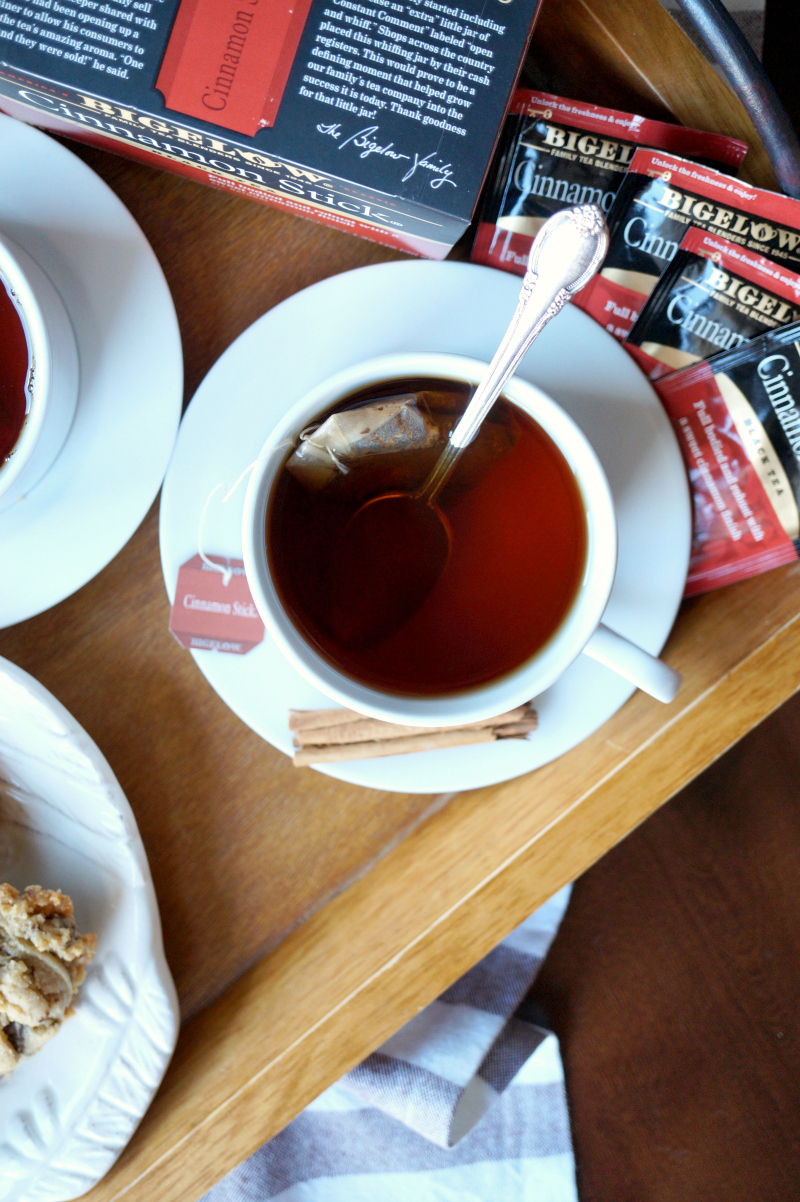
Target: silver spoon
<point x="403" y="539"/>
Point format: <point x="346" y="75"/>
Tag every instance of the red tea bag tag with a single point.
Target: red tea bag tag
<point x="213" y="610"/>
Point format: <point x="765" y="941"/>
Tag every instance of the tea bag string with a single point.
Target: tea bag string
<point x="227" y="572"/>
<point x="307" y="435"/>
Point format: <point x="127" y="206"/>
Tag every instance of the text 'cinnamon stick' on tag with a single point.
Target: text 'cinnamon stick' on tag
<point x="213" y="610"/>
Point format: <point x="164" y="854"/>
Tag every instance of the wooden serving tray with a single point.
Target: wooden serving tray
<point x="305" y="920"/>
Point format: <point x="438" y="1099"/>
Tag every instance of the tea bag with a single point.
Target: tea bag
<point x="378" y="428"/>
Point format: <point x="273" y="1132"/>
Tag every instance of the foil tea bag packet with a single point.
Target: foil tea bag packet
<point x="556" y="152"/>
<point x="383" y="427"/>
<point x="713" y="296"/>
<point x="737" y="418"/>
<point x="659" y="199"/>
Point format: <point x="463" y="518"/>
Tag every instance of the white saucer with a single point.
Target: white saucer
<point x="464" y="309"/>
<point x="67" y="1113"/>
<point x="105" y="479"/>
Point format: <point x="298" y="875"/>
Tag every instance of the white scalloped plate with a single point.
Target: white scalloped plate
<point x="68" y="1112"/>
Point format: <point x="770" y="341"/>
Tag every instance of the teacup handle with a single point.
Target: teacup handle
<point x="649" y="674"/>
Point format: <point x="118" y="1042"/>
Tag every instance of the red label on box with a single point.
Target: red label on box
<point x="213" y="610"/>
<point x="228" y="61"/>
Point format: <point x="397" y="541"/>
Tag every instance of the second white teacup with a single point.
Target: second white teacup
<point x="52" y="386"/>
<point x="581" y="629"/>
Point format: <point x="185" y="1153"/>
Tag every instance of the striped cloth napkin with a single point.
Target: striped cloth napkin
<point x="465" y="1102"/>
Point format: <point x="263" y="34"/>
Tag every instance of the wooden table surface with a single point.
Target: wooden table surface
<point x="673" y="985"/>
<point x="305" y="919"/>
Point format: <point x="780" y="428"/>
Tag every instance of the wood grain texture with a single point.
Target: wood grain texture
<point x="371" y="903"/>
<point x="377" y="953"/>
<point x="672" y="986"/>
<point x="216" y="805"/>
<point x="628" y="54"/>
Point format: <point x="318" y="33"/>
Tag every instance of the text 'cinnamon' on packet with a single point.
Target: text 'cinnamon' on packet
<point x="660" y="198"/>
<point x="714" y="296"/>
<point x="556" y="152"/>
<point x="737" y="418"/>
<point x="213" y="610"/>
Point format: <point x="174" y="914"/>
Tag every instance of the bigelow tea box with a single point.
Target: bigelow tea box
<point x="374" y="116"/>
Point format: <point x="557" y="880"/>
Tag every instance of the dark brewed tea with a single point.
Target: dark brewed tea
<point x="516" y="560"/>
<point x="14" y="363"/>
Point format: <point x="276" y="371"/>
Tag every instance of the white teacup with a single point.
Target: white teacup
<point x="52" y="391"/>
<point x="581" y="629"/>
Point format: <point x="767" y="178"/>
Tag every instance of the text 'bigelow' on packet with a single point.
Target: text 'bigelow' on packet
<point x="556" y="152"/>
<point x="714" y="296"/>
<point x="737" y="418"/>
<point x="660" y="198"/>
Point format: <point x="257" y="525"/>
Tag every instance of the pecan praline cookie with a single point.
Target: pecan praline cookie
<point x="43" y="960"/>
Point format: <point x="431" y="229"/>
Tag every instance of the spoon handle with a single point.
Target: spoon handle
<point x="566" y="253"/>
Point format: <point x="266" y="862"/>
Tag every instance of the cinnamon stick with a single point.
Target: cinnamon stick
<point x="329" y="736"/>
<point x="314" y="719"/>
<point x="322" y="727"/>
